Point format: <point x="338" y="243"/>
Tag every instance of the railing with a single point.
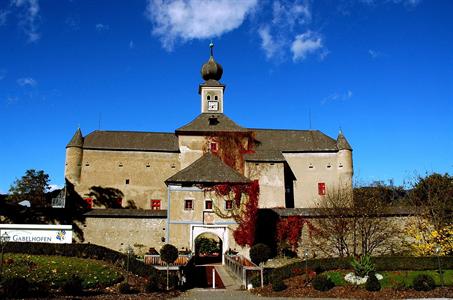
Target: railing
<point x="155" y="260"/>
<point x="243" y="268"/>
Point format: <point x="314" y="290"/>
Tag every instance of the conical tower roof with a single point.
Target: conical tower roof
<point x="77" y="140"/>
<point x="342" y="142"/>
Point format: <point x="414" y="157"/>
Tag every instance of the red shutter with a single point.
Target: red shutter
<point x="89" y="202"/>
<point x="321" y="189"/>
<point x="155" y="204"/>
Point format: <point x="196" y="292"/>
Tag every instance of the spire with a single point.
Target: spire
<point x="342" y="143"/>
<point x="211" y="70"/>
<point x="77" y="139"/>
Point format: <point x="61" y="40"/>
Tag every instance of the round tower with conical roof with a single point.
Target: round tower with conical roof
<point x="74" y="156"/>
<point x="345" y="167"/>
<point x="211" y="90"/>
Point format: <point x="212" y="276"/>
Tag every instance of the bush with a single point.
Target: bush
<point x="152" y="285"/>
<point x="16" y="287"/>
<point x="73" y="286"/>
<point x="260" y="253"/>
<point x="322" y="283"/>
<point x="168" y="253"/>
<point x="125" y="288"/>
<point x="423" y="282"/>
<point x="256" y="281"/>
<point x="372" y="284"/>
<point x="278" y="284"/>
<point x="363" y="266"/>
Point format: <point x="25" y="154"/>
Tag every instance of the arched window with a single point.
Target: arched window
<point x="209" y="97"/>
<point x="216" y="98"/>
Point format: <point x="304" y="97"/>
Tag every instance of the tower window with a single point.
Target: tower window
<point x="321" y="188"/>
<point x="310" y="166"/>
<point x="120" y="165"/>
<point x="216" y="98"/>
<point x="127" y="181"/>
<point x="328" y="166"/>
<point x="213" y="147"/>
<point x="155" y="204"/>
<point x="209" y="97"/>
<point x="188" y="204"/>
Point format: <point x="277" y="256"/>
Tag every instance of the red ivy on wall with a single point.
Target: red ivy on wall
<point x="289" y="230"/>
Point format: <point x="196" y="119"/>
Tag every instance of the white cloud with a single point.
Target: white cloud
<point x="291" y="13"/>
<point x="131" y="45"/>
<point x="269" y="45"/>
<point x="337" y="97"/>
<point x="102" y="27"/>
<point x="185" y="20"/>
<point x="408" y="3"/>
<point x="374" y="54"/>
<point x="305" y="44"/>
<point x="53" y="187"/>
<point x="29" y="18"/>
<point x="27" y="81"/>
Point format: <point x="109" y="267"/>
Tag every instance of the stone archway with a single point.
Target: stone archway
<point x="220" y="231"/>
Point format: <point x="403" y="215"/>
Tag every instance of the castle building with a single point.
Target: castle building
<point x="167" y="178"/>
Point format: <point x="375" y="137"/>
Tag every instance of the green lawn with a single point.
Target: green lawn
<point x="396" y="278"/>
<point x="54" y="270"/>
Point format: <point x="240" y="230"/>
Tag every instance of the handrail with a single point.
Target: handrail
<point x="240" y="265"/>
<point x="154" y="260"/>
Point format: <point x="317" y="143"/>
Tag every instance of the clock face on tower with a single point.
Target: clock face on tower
<point x="213" y="105"/>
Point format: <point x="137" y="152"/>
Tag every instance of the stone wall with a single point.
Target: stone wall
<point x="118" y="233"/>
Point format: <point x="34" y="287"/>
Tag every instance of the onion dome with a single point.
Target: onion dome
<point x="342" y="142"/>
<point x="211" y="70"/>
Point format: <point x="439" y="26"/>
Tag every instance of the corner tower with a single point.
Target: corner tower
<point x="211" y="90"/>
<point x="346" y="169"/>
<point x="74" y="156"/>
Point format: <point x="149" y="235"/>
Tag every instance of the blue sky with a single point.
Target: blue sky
<point x="380" y="70"/>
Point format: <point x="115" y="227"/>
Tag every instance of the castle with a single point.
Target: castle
<point x="168" y="178"/>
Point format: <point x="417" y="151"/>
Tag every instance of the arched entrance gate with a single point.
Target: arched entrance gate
<point x="220" y="231"/>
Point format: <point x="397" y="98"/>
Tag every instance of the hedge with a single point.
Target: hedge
<point x="383" y="263"/>
<point x="82" y="251"/>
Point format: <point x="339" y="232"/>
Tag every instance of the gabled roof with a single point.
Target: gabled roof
<point x="293" y="141"/>
<point x="207" y="169"/>
<point x="77" y="140"/>
<point x="132" y="140"/>
<point x="210" y="122"/>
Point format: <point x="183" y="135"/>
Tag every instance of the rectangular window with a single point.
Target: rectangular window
<point x="208" y="204"/>
<point x="321" y="189"/>
<point x="155" y="204"/>
<point x="213" y="147"/>
<point x="188" y="204"/>
<point x="127" y="181"/>
<point x="89" y="202"/>
<point x="228" y="204"/>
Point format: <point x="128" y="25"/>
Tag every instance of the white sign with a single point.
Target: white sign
<point x="54" y="234"/>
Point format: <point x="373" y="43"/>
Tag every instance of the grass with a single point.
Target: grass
<point x="394" y="279"/>
<point x="55" y="270"/>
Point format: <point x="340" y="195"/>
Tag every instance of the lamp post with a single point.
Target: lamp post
<point x="3" y="239"/>
<point x="437" y="249"/>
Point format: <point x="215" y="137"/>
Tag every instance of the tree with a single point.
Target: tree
<point x="32" y="186"/>
<point x="168" y="253"/>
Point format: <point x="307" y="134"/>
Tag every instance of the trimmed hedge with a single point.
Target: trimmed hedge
<point x="383" y="263"/>
<point x="82" y="251"/>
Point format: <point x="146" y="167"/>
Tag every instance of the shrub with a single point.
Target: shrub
<point x="372" y="284"/>
<point x="278" y="284"/>
<point x="363" y="266"/>
<point x="16" y="287"/>
<point x="125" y="288"/>
<point x="256" y="281"/>
<point x="168" y="253"/>
<point x="152" y="285"/>
<point x="260" y="253"/>
<point x="322" y="283"/>
<point x="423" y="282"/>
<point x="73" y="286"/>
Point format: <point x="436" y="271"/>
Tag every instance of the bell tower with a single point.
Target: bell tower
<point x="211" y="91"/>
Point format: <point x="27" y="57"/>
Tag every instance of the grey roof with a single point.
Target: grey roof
<point x="326" y="212"/>
<point x="293" y="140"/>
<point x="342" y="142"/>
<point x="126" y="213"/>
<point x="77" y="140"/>
<point x="207" y="169"/>
<point x="265" y="156"/>
<point x="132" y="140"/>
<point x="210" y="122"/>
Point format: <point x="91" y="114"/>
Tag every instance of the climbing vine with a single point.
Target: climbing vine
<point x="289" y="231"/>
<point x="231" y="147"/>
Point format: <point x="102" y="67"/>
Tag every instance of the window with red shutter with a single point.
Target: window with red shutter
<point x="119" y="202"/>
<point x="228" y="204"/>
<point x="321" y="189"/>
<point x="155" y="204"/>
<point x="208" y="205"/>
<point x="89" y="202"/>
<point x="213" y="147"/>
<point x="188" y="204"/>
